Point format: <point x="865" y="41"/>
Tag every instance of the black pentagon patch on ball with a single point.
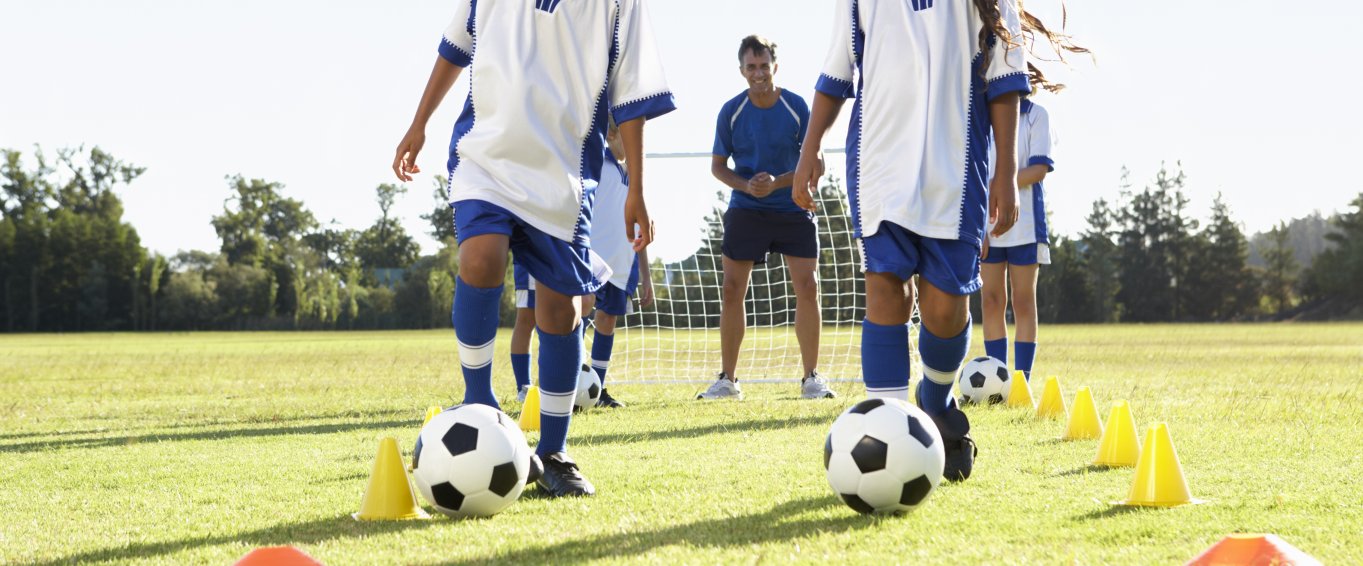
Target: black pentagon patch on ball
<point x="982" y="359"/>
<point x="1003" y="374"/>
<point x="915" y="490"/>
<point x="866" y="406"/>
<point x="996" y="399"/>
<point x="461" y="439"/>
<point x="445" y="495"/>
<point x="827" y="450"/>
<point x="856" y="503"/>
<point x="594" y="391"/>
<point x="869" y="454"/>
<point x="416" y="452"/>
<point x="977" y="380"/>
<point x="504" y="478"/>
<point x="919" y="433"/>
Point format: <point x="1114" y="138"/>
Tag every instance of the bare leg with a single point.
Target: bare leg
<point x="1022" y="279"/>
<point x="733" y="313"/>
<point x="994" y="300"/>
<point x="808" y="318"/>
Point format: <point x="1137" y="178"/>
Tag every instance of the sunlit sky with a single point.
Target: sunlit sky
<point x="1253" y="97"/>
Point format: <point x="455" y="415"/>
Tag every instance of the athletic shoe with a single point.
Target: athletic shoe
<point x="536" y="469"/>
<point x="607" y="401"/>
<point x="723" y="388"/>
<point x="814" y="386"/>
<point x="521" y="393"/>
<point x="561" y="477"/>
<point x="960" y="448"/>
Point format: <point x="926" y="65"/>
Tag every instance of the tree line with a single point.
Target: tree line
<point x="69" y="262"/>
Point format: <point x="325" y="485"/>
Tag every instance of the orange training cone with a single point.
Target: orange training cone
<point x="1253" y="549"/>
<point x="1019" y="394"/>
<point x="277" y="556"/>
<point x="530" y="410"/>
<point x="1052" y="403"/>
<point x="431" y="412"/>
<point x="1119" y="447"/>
<point x="1084" y="423"/>
<point x="389" y="495"/>
<point x="1159" y="476"/>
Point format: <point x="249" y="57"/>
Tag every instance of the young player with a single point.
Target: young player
<point x="1016" y="255"/>
<point x="523" y="173"/>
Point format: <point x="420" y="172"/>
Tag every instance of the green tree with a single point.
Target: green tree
<point x="442" y="216"/>
<point x="1222" y="287"/>
<point x="262" y="228"/>
<point x="1337" y="271"/>
<point x="1280" y="274"/>
<point x="386" y="245"/>
<point x="1102" y="262"/>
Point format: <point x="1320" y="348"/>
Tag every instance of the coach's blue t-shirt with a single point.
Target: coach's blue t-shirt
<point x="762" y="139"/>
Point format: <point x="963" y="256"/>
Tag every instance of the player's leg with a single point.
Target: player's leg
<point x="994" y="304"/>
<point x="560" y="356"/>
<point x="732" y="327"/>
<point x="890" y="259"/>
<point x="477" y="302"/>
<point x="808" y="323"/>
<point x="521" y="333"/>
<point x="1022" y="279"/>
<point x="611" y="303"/>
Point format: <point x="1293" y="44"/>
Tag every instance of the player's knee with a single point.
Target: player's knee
<point x="734" y="292"/>
<point x="481" y="271"/>
<point x="806" y="287"/>
<point x="992" y="299"/>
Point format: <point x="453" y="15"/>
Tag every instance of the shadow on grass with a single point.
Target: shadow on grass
<point x="218" y="423"/>
<point x="752" y="425"/>
<point x="311" y="532"/>
<point x="741" y="531"/>
<point x="210" y="434"/>
<point x="1089" y="469"/>
<point x="1113" y="511"/>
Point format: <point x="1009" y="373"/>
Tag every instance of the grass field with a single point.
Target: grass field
<point x="196" y="448"/>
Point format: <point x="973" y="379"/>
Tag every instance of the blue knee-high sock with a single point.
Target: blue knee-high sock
<point x="602" y="346"/>
<point x="942" y="358"/>
<point x="997" y="349"/>
<point x="520" y="366"/>
<point x="475" y="316"/>
<point x="885" y="360"/>
<point x="560" y="357"/>
<point x="1026" y="354"/>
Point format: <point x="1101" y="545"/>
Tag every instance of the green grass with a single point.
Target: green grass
<point x="196" y="448"/>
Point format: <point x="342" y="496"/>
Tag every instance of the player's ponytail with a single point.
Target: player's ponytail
<point x="1032" y="27"/>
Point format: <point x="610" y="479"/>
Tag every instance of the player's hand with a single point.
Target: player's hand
<point x="984" y="247"/>
<point x="1003" y="203"/>
<point x="404" y="163"/>
<point x="761" y="184"/>
<point x="806" y="180"/>
<point x="646" y="293"/>
<point x="638" y="226"/>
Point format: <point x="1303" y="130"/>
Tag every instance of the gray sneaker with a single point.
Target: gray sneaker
<point x="520" y="393"/>
<point x="722" y="388"/>
<point x="814" y="386"/>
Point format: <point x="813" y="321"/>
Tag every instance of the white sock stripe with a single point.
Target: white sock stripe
<point x="601" y="364"/>
<point x="474" y="357"/>
<point x="901" y="394"/>
<point x="557" y="404"/>
<point x="881" y="389"/>
<point x="940" y="377"/>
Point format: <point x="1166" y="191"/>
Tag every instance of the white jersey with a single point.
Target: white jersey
<point x="916" y="151"/>
<point x="543" y="75"/>
<point x="609" y="239"/>
<point x="1034" y="148"/>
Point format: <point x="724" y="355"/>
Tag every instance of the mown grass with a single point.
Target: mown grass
<point x="196" y="448"/>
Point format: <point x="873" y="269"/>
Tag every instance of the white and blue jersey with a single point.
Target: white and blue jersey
<point x="762" y="139"/>
<point x="1034" y="148"/>
<point x="531" y="137"/>
<point x="917" y="144"/>
<point x="609" y="239"/>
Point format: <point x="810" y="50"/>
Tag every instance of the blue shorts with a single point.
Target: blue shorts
<point x="614" y="301"/>
<point x="571" y="269"/>
<point x="950" y="265"/>
<point x="1026" y="254"/>
<point x="525" y="288"/>
<point x="750" y="234"/>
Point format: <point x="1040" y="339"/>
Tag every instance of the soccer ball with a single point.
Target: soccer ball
<point x="984" y="380"/>
<point x="471" y="461"/>
<point x="883" y="456"/>
<point x="588" y="389"/>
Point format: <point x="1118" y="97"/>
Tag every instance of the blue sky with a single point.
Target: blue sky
<point x="1251" y="96"/>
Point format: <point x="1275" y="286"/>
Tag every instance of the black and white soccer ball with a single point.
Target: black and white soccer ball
<point x="471" y="461"/>
<point x="588" y="389"/>
<point x="883" y="456"/>
<point x="984" y="380"/>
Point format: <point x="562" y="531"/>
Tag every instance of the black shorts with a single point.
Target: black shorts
<point x="750" y="234"/>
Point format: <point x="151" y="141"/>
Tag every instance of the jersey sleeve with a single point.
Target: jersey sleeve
<point x="724" y="133"/>
<point x="1007" y="70"/>
<point x="637" y="87"/>
<point x="457" y="44"/>
<point x="1039" y="139"/>
<point x="836" y="78"/>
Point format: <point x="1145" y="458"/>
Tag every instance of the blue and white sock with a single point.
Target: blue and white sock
<point x="560" y="357"/>
<point x="885" y="360"/>
<point x="602" y="346"/>
<point x="1026" y="354"/>
<point x="941" y="361"/>
<point x="997" y="349"/>
<point x="475" y="315"/>
<point x="520" y="366"/>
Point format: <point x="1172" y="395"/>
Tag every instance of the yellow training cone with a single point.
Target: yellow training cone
<point x="1019" y="395"/>
<point x="1084" y="423"/>
<point x="1159" y="476"/>
<point x="389" y="495"/>
<point x="431" y="412"/>
<point x="1119" y="447"/>
<point x="1052" y="404"/>
<point x="530" y="410"/>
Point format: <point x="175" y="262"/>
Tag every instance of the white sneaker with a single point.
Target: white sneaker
<point x="521" y="393"/>
<point x="722" y="388"/>
<point x="814" y="386"/>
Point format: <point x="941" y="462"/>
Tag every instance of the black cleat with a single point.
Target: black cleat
<point x="536" y="469"/>
<point x="561" y="477"/>
<point x="607" y="401"/>
<point x="960" y="448"/>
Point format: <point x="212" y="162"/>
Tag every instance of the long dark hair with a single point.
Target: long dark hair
<point x="1032" y="27"/>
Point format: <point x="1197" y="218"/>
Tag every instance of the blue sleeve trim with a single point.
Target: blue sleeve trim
<point x="1042" y="160"/>
<point x="454" y="54"/>
<point x="646" y="108"/>
<point x="1011" y="82"/>
<point x="835" y="87"/>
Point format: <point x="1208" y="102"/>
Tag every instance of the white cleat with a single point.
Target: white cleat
<point x="722" y="388"/>
<point x="814" y="386"/>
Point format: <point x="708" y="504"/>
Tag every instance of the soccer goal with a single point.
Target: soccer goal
<point x="677" y="339"/>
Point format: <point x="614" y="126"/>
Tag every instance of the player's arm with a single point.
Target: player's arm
<point x="1032" y="174"/>
<point x="1003" y="188"/>
<point x="636" y="211"/>
<point x="805" y="178"/>
<point x="719" y="167"/>
<point x="442" y="78"/>
<point x="645" y="280"/>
